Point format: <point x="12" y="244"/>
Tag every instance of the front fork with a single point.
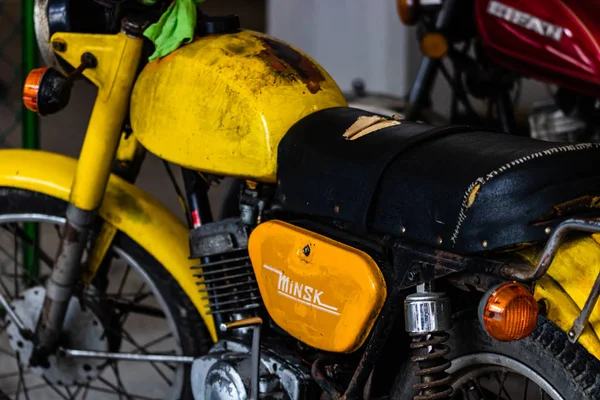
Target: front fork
<point x="118" y="59"/>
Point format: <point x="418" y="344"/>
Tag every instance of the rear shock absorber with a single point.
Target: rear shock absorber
<point x="427" y="318"/>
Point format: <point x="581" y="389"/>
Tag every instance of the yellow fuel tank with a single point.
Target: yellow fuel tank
<point x="324" y="293"/>
<point x="222" y="103"/>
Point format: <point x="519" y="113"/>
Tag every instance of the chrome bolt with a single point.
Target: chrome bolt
<point x="59" y="45"/>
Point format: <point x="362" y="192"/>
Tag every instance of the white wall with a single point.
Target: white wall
<point x="364" y="39"/>
<point x="349" y="38"/>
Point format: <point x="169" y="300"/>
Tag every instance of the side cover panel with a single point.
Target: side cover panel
<point x="324" y="293"/>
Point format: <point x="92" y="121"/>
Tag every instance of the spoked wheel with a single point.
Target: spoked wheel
<point x="495" y="376"/>
<point x="543" y="366"/>
<point x="133" y="306"/>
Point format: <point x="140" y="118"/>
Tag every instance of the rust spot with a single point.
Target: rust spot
<point x="238" y="48"/>
<point x="291" y="64"/>
<point x="570" y="208"/>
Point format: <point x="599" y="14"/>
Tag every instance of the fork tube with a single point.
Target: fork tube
<point x="103" y="134"/>
<point x="91" y="178"/>
<point x="420" y="93"/>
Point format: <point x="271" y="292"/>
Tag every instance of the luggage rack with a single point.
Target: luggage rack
<point x="521" y="274"/>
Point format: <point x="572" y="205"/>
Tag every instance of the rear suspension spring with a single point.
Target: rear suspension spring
<point x="430" y="352"/>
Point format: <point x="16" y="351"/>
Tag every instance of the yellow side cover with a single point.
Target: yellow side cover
<point x="324" y="293"/>
<point x="222" y="103"/>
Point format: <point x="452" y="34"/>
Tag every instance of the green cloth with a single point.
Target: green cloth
<point x="174" y="28"/>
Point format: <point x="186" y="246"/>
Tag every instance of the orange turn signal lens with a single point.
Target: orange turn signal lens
<point x="434" y="45"/>
<point x="32" y="87"/>
<point x="509" y="312"/>
<point x="408" y="11"/>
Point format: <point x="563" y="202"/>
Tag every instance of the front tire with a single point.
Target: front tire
<point x="546" y="359"/>
<point x="178" y="327"/>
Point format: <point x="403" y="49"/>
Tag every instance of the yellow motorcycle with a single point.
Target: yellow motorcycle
<point x="370" y="258"/>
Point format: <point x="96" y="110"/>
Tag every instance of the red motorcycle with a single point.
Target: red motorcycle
<point x="484" y="47"/>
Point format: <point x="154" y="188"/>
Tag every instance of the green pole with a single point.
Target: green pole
<point x="30" y="128"/>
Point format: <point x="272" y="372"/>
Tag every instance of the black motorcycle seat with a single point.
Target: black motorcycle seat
<point x="456" y="188"/>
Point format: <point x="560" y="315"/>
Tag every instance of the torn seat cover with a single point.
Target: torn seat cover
<point x="456" y="188"/>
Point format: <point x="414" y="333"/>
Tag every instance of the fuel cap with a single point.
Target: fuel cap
<point x="216" y="25"/>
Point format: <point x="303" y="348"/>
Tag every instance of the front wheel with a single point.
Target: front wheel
<point x="543" y="366"/>
<point x="134" y="306"/>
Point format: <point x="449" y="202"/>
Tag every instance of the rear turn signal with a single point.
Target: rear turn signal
<point x="46" y="91"/>
<point x="508" y="312"/>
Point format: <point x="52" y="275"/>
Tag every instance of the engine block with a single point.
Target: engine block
<point x="225" y="270"/>
<point x="225" y="374"/>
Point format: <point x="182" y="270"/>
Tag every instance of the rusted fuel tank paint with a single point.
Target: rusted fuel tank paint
<point x="292" y="63"/>
<point x="222" y="103"/>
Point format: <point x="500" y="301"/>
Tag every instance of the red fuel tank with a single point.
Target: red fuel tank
<point x="550" y="40"/>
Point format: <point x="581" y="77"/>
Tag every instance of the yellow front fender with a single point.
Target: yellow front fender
<point x="126" y="207"/>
